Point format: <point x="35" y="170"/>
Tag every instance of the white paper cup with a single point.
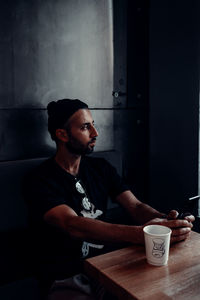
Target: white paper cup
<point x="157" y="242"/>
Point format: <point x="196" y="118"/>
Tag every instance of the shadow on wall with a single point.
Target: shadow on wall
<point x="24" y="134"/>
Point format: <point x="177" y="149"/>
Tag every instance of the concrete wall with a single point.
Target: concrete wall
<point x="174" y="102"/>
<point x="51" y="50"/>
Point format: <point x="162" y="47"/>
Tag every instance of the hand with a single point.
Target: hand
<point x="173" y="214"/>
<point x="180" y="228"/>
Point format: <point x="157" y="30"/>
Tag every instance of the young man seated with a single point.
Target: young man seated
<point x="68" y="196"/>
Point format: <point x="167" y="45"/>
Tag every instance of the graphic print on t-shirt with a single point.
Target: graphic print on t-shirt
<point x="89" y="211"/>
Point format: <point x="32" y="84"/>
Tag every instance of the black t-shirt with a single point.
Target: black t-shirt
<point x="87" y="194"/>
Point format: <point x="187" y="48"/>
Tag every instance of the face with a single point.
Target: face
<point x="81" y="133"/>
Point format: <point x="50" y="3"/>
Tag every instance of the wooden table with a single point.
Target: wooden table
<point x="127" y="275"/>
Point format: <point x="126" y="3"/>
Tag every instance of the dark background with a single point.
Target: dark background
<point x="148" y="50"/>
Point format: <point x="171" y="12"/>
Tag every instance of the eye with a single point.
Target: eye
<point x="86" y="127"/>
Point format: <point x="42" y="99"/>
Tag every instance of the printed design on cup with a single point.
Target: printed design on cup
<point x="158" y="248"/>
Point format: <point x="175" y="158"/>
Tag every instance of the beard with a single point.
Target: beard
<point x="76" y="147"/>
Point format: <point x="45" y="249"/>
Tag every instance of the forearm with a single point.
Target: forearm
<point x="144" y="213"/>
<point x="140" y="212"/>
<point x="87" y="229"/>
<point x="99" y="231"/>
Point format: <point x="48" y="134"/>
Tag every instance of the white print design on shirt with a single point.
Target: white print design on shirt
<point x="93" y="214"/>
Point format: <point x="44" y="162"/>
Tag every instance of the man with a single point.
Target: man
<point x="68" y="198"/>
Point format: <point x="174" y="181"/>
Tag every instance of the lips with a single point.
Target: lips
<point x="92" y="143"/>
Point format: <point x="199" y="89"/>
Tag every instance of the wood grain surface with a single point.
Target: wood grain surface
<point x="127" y="274"/>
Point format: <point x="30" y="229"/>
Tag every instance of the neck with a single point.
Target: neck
<point x="68" y="161"/>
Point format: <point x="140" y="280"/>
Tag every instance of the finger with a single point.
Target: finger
<point x="189" y="218"/>
<point x="181" y="231"/>
<point x="179" y="238"/>
<point x="173" y="214"/>
<point x="177" y="223"/>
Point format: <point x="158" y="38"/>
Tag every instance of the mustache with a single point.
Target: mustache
<point x="93" y="140"/>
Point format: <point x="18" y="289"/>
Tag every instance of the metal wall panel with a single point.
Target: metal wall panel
<point x="51" y="50"/>
<point x="60" y="49"/>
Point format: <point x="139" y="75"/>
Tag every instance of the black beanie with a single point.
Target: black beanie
<point x="60" y="111"/>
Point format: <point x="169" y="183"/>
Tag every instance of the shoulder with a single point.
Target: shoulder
<point x="48" y="177"/>
<point x="46" y="167"/>
<point x="47" y="171"/>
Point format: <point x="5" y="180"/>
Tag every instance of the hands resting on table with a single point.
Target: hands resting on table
<point x="181" y="228"/>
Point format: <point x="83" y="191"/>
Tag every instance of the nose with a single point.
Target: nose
<point x="94" y="132"/>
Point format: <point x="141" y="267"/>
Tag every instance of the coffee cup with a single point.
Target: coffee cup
<point x="157" y="243"/>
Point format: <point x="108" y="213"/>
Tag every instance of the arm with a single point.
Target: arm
<point x="89" y="229"/>
<point x="94" y="230"/>
<point x="140" y="212"/>
<point x="143" y="213"/>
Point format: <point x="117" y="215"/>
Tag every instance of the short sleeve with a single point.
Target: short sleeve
<point x="42" y="194"/>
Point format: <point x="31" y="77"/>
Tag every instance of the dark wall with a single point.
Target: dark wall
<point x="131" y="79"/>
<point x="157" y="121"/>
<point x="174" y="102"/>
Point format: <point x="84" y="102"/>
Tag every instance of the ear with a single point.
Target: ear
<point x="62" y="135"/>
